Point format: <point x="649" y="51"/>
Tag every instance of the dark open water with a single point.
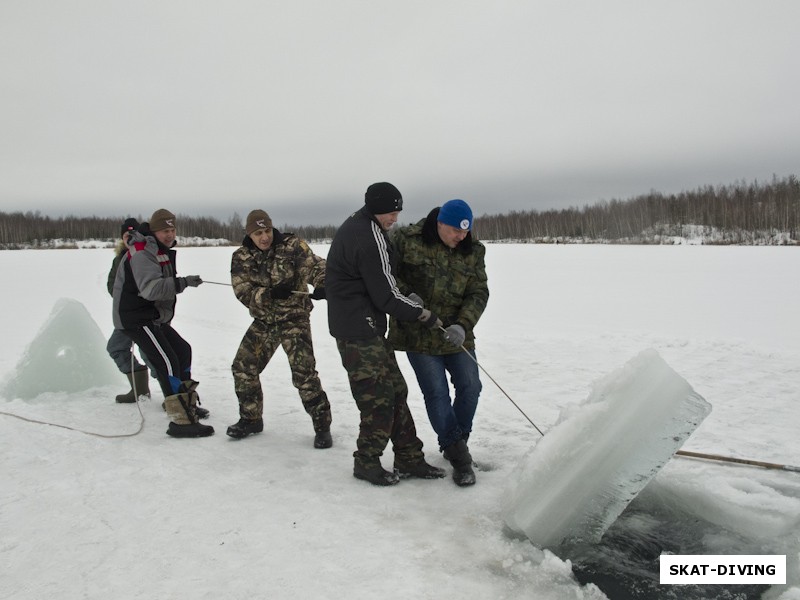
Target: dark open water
<point x="625" y="565"/>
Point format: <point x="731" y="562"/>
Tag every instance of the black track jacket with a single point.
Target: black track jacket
<point x="359" y="281"/>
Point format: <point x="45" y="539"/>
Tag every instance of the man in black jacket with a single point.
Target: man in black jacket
<point x="361" y="289"/>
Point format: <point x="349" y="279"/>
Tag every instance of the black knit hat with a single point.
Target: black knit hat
<point x="130" y="224"/>
<point x="382" y="198"/>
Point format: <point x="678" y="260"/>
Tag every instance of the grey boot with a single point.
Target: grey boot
<point x="140" y="381"/>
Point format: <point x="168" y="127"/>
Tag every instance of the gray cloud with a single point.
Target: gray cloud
<point x="110" y="107"/>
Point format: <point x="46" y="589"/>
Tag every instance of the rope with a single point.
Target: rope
<point x="100" y="435"/>
<point x="475" y="360"/>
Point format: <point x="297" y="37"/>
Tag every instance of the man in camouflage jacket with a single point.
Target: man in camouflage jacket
<point x="442" y="265"/>
<point x="270" y="274"/>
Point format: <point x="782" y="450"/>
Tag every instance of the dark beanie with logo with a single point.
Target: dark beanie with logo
<point x="162" y="219"/>
<point x="257" y="219"/>
<point x="382" y="198"/>
<point x="130" y="224"/>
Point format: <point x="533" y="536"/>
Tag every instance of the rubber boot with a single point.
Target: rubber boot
<point x="139" y="381"/>
<point x="183" y="422"/>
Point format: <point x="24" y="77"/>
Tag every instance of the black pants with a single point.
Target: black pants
<point x="167" y="352"/>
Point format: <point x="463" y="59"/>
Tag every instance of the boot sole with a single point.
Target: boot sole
<point x="190" y="435"/>
<point x="406" y="475"/>
<point x="240" y="436"/>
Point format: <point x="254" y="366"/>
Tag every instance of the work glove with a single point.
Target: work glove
<point x="181" y="283"/>
<point x="455" y="334"/>
<point x="415" y="298"/>
<point x="429" y="319"/>
<point x="280" y="292"/>
<point x="318" y="293"/>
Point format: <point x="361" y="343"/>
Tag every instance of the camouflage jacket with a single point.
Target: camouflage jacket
<point x="288" y="260"/>
<point x="451" y="282"/>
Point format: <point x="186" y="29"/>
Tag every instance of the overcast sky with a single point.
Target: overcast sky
<point x="117" y="107"/>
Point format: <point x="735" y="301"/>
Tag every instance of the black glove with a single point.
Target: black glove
<point x="318" y="293"/>
<point x="193" y="280"/>
<point x="280" y="292"/>
<point x="429" y="319"/>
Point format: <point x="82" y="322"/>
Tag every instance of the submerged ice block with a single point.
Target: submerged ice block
<point x="68" y="354"/>
<point x="600" y="454"/>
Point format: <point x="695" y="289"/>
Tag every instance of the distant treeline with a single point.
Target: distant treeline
<point x="740" y="213"/>
<point x="23" y="229"/>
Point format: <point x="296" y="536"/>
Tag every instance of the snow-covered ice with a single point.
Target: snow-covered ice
<point x="269" y="516"/>
<point x="600" y="454"/>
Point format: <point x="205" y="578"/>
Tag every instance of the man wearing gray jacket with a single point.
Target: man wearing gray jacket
<point x="145" y="291"/>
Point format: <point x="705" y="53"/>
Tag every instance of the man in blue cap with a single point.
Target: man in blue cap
<point x="441" y="265"/>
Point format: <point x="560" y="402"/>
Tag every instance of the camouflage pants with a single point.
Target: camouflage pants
<point x="259" y="344"/>
<point x="380" y="393"/>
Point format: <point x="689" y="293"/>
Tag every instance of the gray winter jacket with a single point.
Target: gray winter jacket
<point x="146" y="285"/>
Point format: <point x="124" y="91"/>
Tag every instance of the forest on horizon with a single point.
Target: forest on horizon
<point x="739" y="213"/>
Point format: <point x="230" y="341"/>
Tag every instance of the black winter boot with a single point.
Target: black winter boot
<point x="421" y="469"/>
<point x="375" y="474"/>
<point x="323" y="439"/>
<point x="459" y="456"/>
<point x="244" y="427"/>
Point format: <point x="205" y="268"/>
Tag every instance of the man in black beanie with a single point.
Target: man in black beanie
<point x="361" y="290"/>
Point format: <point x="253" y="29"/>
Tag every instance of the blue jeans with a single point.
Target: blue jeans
<point x="451" y="422"/>
<point x="119" y="349"/>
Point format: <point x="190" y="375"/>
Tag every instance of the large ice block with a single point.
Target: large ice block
<point x="68" y="354"/>
<point x="600" y="454"/>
